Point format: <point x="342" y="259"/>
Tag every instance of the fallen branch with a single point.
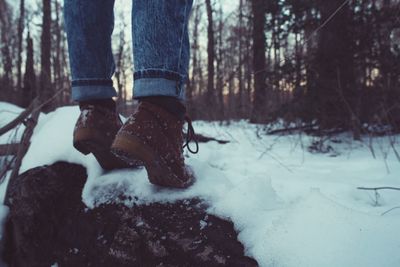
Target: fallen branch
<point x="30" y="123"/>
<point x="398" y="207"/>
<point x="292" y="129"/>
<point x="379" y="188"/>
<point x="21" y="117"/>
<point x="376" y="189"/>
<point x="204" y="139"/>
<point x="7" y="165"/>
<point x="25" y="141"/>
<point x="9" y="149"/>
<point x="33" y="107"/>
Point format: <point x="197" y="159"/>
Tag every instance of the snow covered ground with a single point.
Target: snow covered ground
<point x="292" y="208"/>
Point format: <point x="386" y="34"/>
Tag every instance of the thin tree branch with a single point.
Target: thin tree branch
<point x="25" y="142"/>
<point x="6" y="167"/>
<point x="33" y="107"/>
<point x="9" y="149"/>
<point x="398" y="207"/>
<point x="379" y="188"/>
<point x="30" y="124"/>
<point x="18" y="119"/>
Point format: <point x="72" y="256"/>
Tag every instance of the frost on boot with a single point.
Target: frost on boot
<point x="94" y="132"/>
<point x="154" y="137"/>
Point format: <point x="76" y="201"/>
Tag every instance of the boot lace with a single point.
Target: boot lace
<point x="191" y="136"/>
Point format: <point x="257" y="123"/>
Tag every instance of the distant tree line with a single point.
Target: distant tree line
<point x="33" y="53"/>
<point x="327" y="65"/>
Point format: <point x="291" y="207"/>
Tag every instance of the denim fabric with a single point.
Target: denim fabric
<point x="89" y="25"/>
<point x="160" y="47"/>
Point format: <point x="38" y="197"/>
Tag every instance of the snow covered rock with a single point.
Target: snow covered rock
<point x="48" y="223"/>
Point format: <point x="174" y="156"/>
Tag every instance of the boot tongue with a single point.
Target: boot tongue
<point x="108" y="103"/>
<point x="168" y="103"/>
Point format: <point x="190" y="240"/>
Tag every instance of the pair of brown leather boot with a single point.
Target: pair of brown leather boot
<point x="151" y="137"/>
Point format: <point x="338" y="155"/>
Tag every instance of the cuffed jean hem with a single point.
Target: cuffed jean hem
<point x="158" y="87"/>
<point x="90" y="92"/>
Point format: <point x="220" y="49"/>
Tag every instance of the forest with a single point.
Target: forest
<point x="290" y="155"/>
<point x="317" y="66"/>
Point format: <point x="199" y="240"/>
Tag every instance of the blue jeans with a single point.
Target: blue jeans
<point x="160" y="47"/>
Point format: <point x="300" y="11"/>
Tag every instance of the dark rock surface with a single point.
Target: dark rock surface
<point x="48" y="223"/>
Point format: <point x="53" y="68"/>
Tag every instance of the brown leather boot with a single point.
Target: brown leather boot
<point x="94" y="133"/>
<point x="154" y="136"/>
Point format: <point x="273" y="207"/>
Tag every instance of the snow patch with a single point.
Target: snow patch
<point x="290" y="207"/>
<point x="317" y="231"/>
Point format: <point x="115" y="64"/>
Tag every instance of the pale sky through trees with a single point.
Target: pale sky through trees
<point x="122" y="11"/>
<point x="297" y="47"/>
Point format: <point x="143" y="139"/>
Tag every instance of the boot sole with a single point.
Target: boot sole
<point x="89" y="141"/>
<point x="131" y="149"/>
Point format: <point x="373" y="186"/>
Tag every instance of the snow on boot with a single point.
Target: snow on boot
<point x="154" y="136"/>
<point x="94" y="132"/>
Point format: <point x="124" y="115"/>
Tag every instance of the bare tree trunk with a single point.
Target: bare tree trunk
<point x="65" y="69"/>
<point x="120" y="66"/>
<point x="29" y="90"/>
<point x="6" y="50"/>
<point x="45" y="73"/>
<point x="190" y="94"/>
<point x="231" y="97"/>
<point x="20" y="37"/>
<point x="57" y="64"/>
<point x="249" y="70"/>
<point x="298" y="62"/>
<point x="200" y="107"/>
<point x="211" y="56"/>
<point x="220" y="75"/>
<point x="240" y="60"/>
<point x="259" y="102"/>
<point x="335" y="65"/>
<point x="202" y="84"/>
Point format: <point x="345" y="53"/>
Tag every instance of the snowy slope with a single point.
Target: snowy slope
<point x="291" y="208"/>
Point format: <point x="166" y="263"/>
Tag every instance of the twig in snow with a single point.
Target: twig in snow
<point x="398" y="207"/>
<point x="5" y="168"/>
<point x="379" y="188"/>
<point x="8" y="149"/>
<point x="29" y="118"/>
<point x="290" y="130"/>
<point x="33" y="108"/>
<point x="25" y="141"/>
<point x="376" y="189"/>
<point x="21" y="117"/>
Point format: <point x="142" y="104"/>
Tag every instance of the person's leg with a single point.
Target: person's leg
<point x="161" y="51"/>
<point x="160" y="47"/>
<point x="89" y="25"/>
<point x="153" y="134"/>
